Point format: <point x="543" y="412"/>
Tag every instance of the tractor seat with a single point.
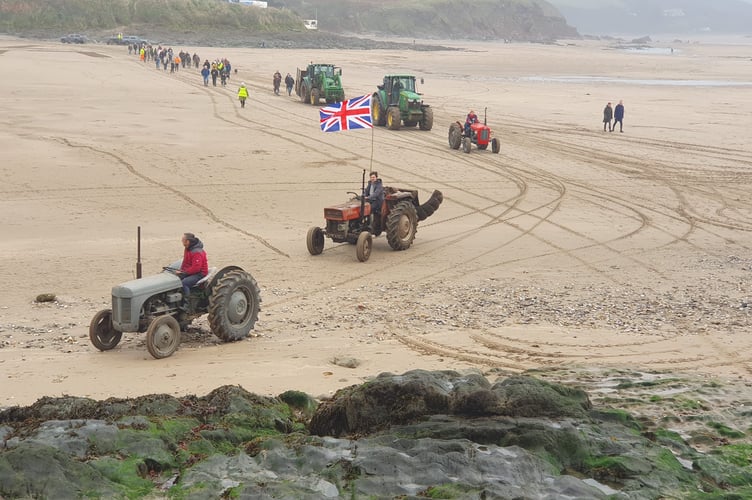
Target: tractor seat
<point x="203" y="282"/>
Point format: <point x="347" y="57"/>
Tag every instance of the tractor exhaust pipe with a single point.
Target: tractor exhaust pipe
<point x="485" y="115"/>
<point x="138" y="254"/>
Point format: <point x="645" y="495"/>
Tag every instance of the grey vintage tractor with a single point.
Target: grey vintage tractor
<point x="154" y="304"/>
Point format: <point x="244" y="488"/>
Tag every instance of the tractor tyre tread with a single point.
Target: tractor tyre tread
<point x="428" y="208"/>
<point x="396" y="240"/>
<point x="427" y="122"/>
<point x="224" y="295"/>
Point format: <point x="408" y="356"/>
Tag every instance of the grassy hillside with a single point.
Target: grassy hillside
<point x="24" y="16"/>
<point x="477" y="19"/>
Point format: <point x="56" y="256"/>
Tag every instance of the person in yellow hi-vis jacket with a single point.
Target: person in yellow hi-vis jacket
<point x="242" y="94"/>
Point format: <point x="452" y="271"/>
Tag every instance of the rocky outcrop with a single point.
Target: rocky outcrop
<point x="419" y="434"/>
<point x="391" y="400"/>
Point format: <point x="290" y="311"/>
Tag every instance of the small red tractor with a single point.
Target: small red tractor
<point x="480" y="135"/>
<point x="352" y="222"/>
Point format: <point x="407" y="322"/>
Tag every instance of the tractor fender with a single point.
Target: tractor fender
<point x="218" y="276"/>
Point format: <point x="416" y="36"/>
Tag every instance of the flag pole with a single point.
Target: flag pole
<point x="372" y="141"/>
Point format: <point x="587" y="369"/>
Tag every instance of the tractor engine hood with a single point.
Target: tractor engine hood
<point x="413" y="99"/>
<point x="148" y="286"/>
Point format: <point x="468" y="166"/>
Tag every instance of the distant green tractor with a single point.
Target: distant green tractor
<point x="397" y="102"/>
<point x="320" y="81"/>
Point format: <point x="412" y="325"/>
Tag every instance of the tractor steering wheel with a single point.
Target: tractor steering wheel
<point x="356" y="195"/>
<point x="170" y="270"/>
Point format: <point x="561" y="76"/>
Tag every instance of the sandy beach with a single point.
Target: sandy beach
<point x="572" y="247"/>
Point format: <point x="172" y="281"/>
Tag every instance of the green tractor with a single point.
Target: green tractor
<point x="320" y="81"/>
<point x="397" y="102"/>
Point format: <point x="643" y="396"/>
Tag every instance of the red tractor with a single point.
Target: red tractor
<point x="352" y="222"/>
<point x="480" y="135"/>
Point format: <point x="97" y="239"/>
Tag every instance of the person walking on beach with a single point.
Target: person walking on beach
<point x="214" y="74"/>
<point x="289" y="82"/>
<point x="608" y="114"/>
<point x="619" y="116"/>
<point x="242" y="94"/>
<point x="205" y="73"/>
<point x="276" y="81"/>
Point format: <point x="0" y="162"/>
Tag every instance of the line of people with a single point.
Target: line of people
<point x="218" y="70"/>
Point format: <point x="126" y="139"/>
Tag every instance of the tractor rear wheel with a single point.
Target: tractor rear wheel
<point x="466" y="143"/>
<point x="427" y="122"/>
<point x="234" y="305"/>
<point x="363" y="246"/>
<point x="455" y="135"/>
<point x="401" y="225"/>
<point x="393" y="118"/>
<point x="314" y="97"/>
<point x="495" y="145"/>
<point x="163" y="336"/>
<point x="315" y="240"/>
<point x="377" y="112"/>
<point x="101" y="332"/>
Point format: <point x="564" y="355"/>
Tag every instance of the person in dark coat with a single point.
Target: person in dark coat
<point x="619" y="116"/>
<point x="374" y="195"/>
<point x="608" y="114"/>
<point x="289" y="82"/>
<point x="374" y="192"/>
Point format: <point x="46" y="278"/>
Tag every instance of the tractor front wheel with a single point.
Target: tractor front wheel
<point x="377" y="112"/>
<point x="401" y="225"/>
<point x="304" y="94"/>
<point x="363" y="246"/>
<point x="101" y="331"/>
<point x="393" y="118"/>
<point x="426" y="123"/>
<point x="495" y="145"/>
<point x="163" y="336"/>
<point x="315" y="240"/>
<point x="314" y="97"/>
<point x="234" y="305"/>
<point x="455" y="135"/>
<point x="466" y="143"/>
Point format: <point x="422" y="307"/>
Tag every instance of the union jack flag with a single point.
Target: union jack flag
<point x="347" y="115"/>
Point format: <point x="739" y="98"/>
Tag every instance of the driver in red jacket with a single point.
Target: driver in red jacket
<point x="195" y="265"/>
<point x="471" y="118"/>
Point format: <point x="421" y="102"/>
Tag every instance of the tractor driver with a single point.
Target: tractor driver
<point x="396" y="89"/>
<point x="194" y="266"/>
<point x="374" y="194"/>
<point x="471" y="118"/>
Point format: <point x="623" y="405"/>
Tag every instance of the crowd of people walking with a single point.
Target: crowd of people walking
<point x="219" y="70"/>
